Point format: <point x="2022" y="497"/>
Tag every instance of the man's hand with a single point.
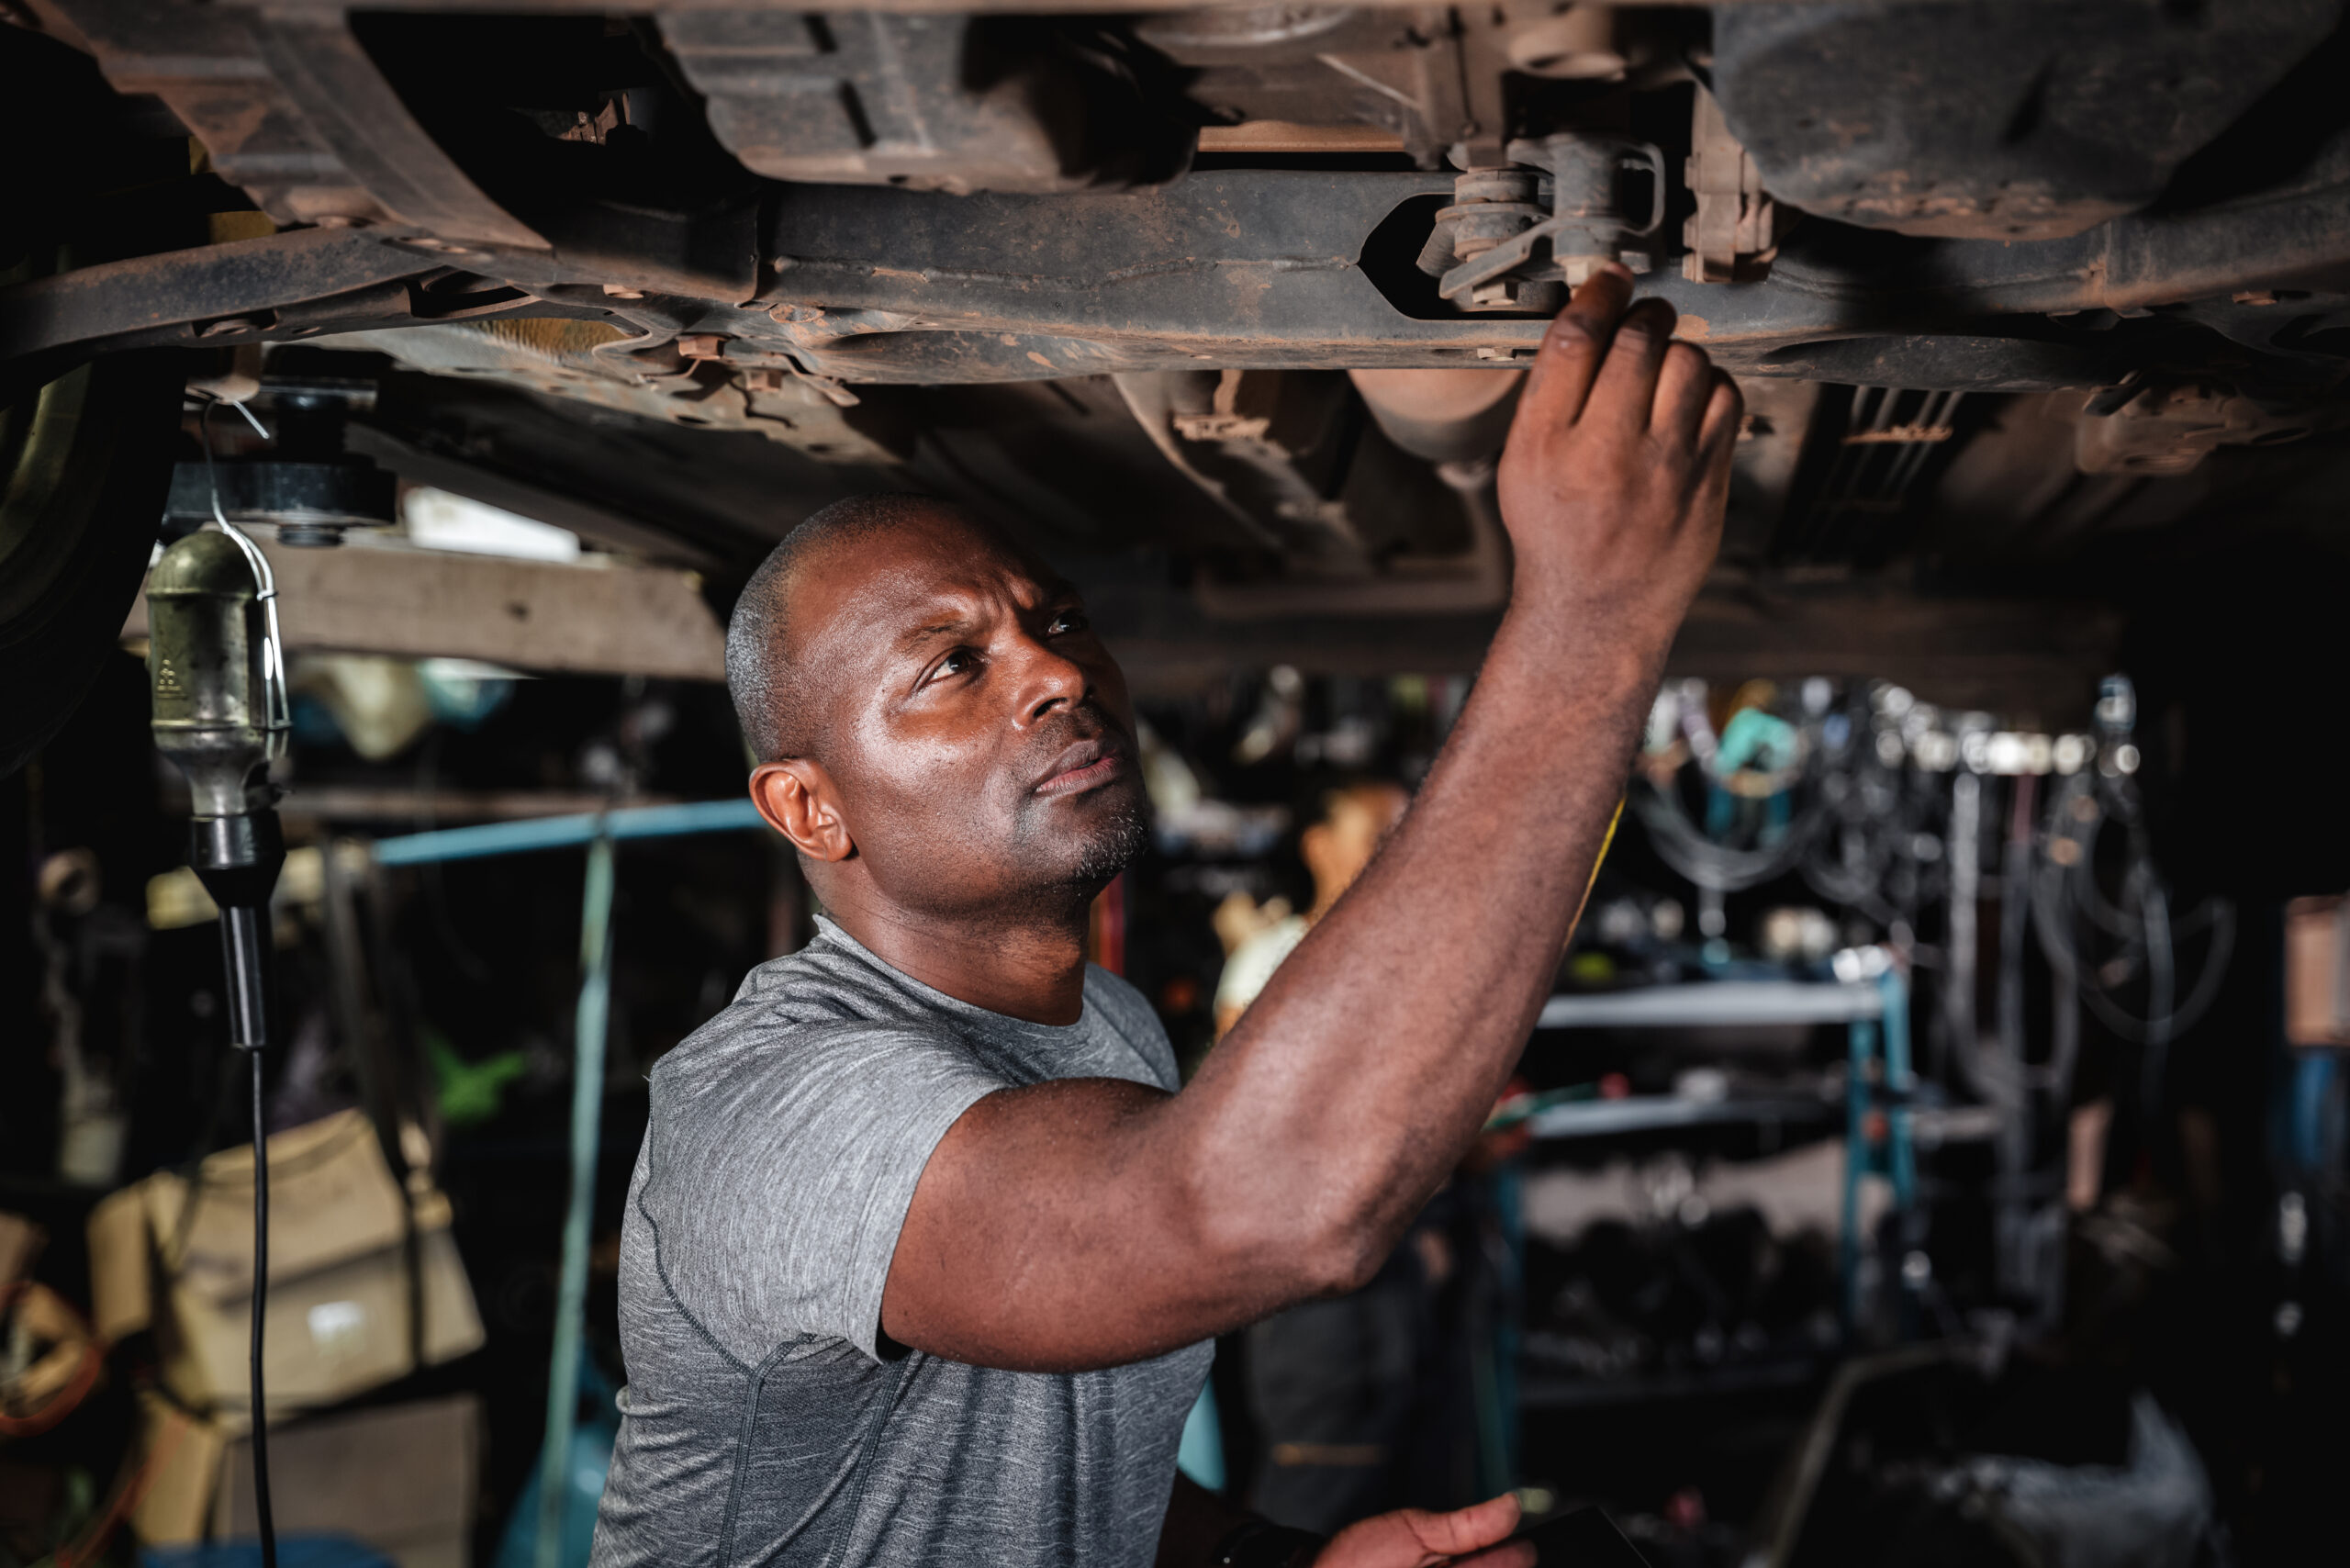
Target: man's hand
<point x="1413" y="1538"/>
<point x="1618" y="466"/>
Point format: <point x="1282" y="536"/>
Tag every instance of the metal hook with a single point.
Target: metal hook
<point x="280" y="721"/>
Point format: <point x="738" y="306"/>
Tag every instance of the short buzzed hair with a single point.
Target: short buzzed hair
<point x="761" y="673"/>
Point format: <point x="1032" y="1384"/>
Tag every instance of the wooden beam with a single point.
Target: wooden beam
<point x="539" y="616"/>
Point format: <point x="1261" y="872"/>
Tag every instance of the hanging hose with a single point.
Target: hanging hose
<point x="2065" y="892"/>
<point x="1681" y="844"/>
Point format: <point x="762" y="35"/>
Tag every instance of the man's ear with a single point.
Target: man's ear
<point x="798" y="801"/>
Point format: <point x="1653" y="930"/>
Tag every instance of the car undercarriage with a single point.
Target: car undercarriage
<point x="2029" y="299"/>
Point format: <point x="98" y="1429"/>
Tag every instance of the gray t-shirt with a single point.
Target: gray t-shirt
<point x="765" y="1422"/>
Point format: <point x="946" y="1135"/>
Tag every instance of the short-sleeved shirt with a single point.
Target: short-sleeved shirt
<point x="766" y="1421"/>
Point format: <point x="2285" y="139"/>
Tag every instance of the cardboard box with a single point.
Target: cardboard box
<point x="20" y="1243"/>
<point x="179" y="1458"/>
<point x="401" y="1478"/>
<point x="346" y="1312"/>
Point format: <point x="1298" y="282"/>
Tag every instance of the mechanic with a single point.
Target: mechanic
<point x="923" y="1249"/>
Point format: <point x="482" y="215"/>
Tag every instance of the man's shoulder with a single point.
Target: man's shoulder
<point x="792" y="1013"/>
<point x="1131" y="1015"/>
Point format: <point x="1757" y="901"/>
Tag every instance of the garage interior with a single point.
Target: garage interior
<point x="1933" y="1148"/>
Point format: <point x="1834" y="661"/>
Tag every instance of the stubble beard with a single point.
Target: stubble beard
<point x="1120" y="842"/>
<point x="1111" y="844"/>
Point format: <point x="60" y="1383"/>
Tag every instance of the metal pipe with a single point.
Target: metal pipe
<point x="558" y="832"/>
<point x="586" y="1112"/>
<point x="1965" y="886"/>
<point x="2013" y="1262"/>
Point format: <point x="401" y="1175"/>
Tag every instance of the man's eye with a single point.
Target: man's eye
<point x="960" y="662"/>
<point x="1070" y="620"/>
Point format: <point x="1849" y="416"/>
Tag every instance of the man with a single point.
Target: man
<point x="922" y="1247"/>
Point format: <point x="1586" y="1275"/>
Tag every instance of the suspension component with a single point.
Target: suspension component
<point x="1515" y="239"/>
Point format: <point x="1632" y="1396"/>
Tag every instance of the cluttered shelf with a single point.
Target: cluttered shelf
<point x="1648" y="1112"/>
<point x="1704" y="1004"/>
<point x="1569" y="1114"/>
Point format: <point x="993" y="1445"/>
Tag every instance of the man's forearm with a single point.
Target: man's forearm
<point x="1365" y="1068"/>
<point x="1372" y="1057"/>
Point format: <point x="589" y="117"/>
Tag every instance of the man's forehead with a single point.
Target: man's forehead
<point x="894" y="584"/>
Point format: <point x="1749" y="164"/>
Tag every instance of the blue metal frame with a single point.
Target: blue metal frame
<point x="598" y="831"/>
<point x="562" y="833"/>
<point x="1894" y="1086"/>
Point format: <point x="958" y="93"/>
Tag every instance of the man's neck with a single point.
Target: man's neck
<point x="1032" y="969"/>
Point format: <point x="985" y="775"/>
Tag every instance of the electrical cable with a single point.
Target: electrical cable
<point x="262" y="1514"/>
<point x="2153" y="1068"/>
<point x="273" y="680"/>
<point x="244" y="933"/>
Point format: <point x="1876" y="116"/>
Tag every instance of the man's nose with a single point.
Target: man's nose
<point x="1046" y="679"/>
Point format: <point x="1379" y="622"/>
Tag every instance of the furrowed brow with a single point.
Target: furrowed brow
<point x="951" y="624"/>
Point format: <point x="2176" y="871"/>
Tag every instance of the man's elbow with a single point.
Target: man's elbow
<point x="1302" y="1254"/>
<point x="1347" y="1257"/>
<point x="1287" y="1241"/>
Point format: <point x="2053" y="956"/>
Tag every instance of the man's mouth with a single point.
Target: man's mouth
<point x="1083" y="766"/>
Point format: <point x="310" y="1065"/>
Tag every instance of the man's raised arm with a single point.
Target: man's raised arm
<point x="1090" y="1222"/>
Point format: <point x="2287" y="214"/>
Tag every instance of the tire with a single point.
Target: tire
<point x="87" y="463"/>
<point x="85" y="459"/>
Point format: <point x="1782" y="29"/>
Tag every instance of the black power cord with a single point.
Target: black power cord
<point x="216" y="667"/>
<point x="262" y="1513"/>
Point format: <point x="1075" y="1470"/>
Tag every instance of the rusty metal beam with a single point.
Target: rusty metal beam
<point x="1270" y="269"/>
<point x="226" y="282"/>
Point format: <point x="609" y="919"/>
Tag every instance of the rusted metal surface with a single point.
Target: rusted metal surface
<point x="1269" y="268"/>
<point x="1406" y="71"/>
<point x="204" y="61"/>
<point x="825" y="287"/>
<point x="1990" y="120"/>
<point x="2164" y="426"/>
<point x="186" y="291"/>
<point x="932" y="103"/>
<point x="1277" y="269"/>
<point x="291" y="108"/>
<point x="336" y="88"/>
<point x="1734" y="234"/>
<point x="560" y="358"/>
<point x="1290" y="135"/>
